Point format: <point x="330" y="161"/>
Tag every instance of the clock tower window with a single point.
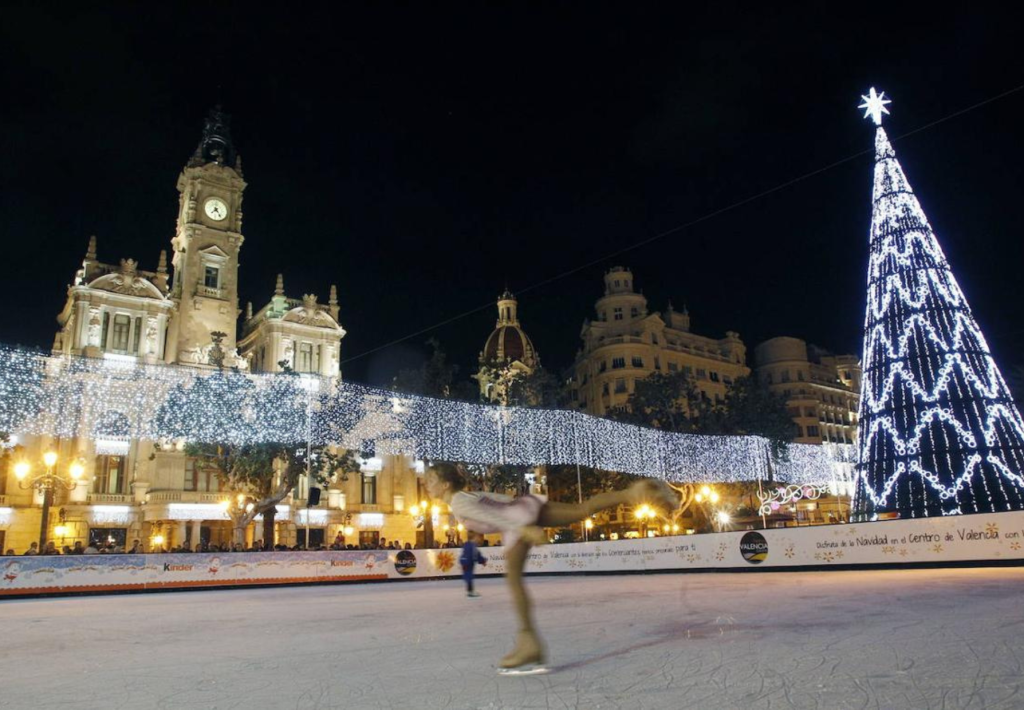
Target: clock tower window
<point x="211" y="277"/>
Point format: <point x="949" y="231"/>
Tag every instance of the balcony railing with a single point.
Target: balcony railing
<point x="186" y="497"/>
<point x="209" y="291"/>
<point x="106" y="498"/>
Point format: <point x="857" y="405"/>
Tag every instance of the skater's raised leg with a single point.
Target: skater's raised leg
<point x="554" y="515"/>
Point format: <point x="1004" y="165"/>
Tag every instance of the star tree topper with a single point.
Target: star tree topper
<point x="874" y="106"/>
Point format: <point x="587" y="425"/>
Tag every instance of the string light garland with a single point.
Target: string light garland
<point x="939" y="431"/>
<point x="103" y="401"/>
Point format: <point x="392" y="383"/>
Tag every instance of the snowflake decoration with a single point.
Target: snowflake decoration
<point x="445" y="561"/>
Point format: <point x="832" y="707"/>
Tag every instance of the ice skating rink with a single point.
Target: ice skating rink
<point x="871" y="639"/>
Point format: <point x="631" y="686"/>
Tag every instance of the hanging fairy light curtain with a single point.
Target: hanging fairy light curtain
<point x="79" y="397"/>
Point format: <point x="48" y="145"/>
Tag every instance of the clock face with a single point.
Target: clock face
<point x="216" y="209"/>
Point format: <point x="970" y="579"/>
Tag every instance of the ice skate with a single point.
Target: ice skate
<point x="528" y="669"/>
<point x="527" y="658"/>
<point x="472" y="595"/>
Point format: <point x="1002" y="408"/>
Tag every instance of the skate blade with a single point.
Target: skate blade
<point x="529" y="669"/>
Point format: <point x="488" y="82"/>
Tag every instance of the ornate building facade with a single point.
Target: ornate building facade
<point x="138" y="489"/>
<point x="822" y="390"/>
<point x="627" y="343"/>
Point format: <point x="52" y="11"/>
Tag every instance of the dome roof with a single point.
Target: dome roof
<point x="508" y="342"/>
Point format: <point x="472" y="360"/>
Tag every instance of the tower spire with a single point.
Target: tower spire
<point x="939" y="431"/>
<point x="332" y="302"/>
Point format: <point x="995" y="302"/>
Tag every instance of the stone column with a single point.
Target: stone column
<point x="179" y="534"/>
<point x="196" y="532"/>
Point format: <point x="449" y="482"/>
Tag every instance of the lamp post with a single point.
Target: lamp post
<point x="643" y="514"/>
<point x="708" y="497"/>
<point x="423" y="514"/>
<point x="47" y="482"/>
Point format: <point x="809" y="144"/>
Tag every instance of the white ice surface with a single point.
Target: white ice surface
<point x="872" y="639"/>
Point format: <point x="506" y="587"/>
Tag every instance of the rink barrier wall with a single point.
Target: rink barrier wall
<point x="951" y="541"/>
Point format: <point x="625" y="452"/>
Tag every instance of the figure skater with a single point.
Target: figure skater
<point x="520" y="522"/>
<point x="468" y="559"/>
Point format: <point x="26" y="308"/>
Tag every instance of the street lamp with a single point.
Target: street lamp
<point x="47" y="483"/>
<point x="424" y="515"/>
<point x="643" y="514"/>
<point x="588" y="525"/>
<point x="707" y="497"/>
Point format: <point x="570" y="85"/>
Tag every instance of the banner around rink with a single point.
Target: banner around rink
<point x="993" y="538"/>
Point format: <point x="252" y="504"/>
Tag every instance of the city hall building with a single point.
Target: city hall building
<point x="174" y="315"/>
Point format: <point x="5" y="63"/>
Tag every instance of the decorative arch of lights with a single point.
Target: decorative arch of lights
<point x="79" y="397"/>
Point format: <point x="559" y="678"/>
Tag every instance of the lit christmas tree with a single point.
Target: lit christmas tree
<point x="939" y="432"/>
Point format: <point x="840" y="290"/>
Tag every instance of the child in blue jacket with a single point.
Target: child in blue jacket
<point x="468" y="559"/>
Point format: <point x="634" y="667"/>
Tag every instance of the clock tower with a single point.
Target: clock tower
<point x="206" y="245"/>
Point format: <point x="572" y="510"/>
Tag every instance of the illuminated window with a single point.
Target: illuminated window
<point x="190" y="475"/>
<point x="110" y="475"/>
<point x="106" y="327"/>
<point x="136" y="336"/>
<point x="369" y="489"/>
<point x="121" y="334"/>
<point x="305" y="362"/>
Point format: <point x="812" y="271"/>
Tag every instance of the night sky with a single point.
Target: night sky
<point x="425" y="159"/>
